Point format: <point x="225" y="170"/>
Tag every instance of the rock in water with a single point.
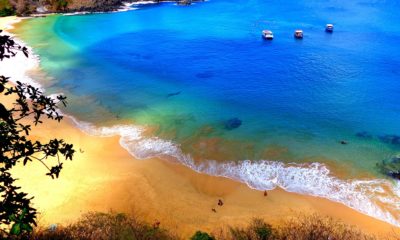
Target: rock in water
<point x="206" y="74"/>
<point x="391" y="139"/>
<point x="173" y="94"/>
<point x="233" y="123"/>
<point x="364" y="134"/>
<point x="390" y="167"/>
<point x="184" y="2"/>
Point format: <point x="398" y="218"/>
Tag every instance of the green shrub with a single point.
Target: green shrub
<point x="202" y="236"/>
<point x="257" y="230"/>
<point x="112" y="226"/>
<point x="59" y="5"/>
<point x="262" y="230"/>
<point x="6" y="9"/>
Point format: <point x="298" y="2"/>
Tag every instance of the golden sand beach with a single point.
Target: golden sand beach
<point x="6" y="22"/>
<point x="103" y="176"/>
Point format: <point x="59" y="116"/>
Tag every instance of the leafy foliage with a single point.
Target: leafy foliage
<point x="257" y="230"/>
<point x="201" y="236"/>
<point x="262" y="230"/>
<point x="58" y="5"/>
<point x="9" y="48"/>
<point x="117" y="226"/>
<point x="6" y="9"/>
<point x="29" y="105"/>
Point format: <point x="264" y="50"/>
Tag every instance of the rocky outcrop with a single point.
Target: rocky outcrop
<point x="28" y="7"/>
<point x="184" y="2"/>
<point x="93" y="5"/>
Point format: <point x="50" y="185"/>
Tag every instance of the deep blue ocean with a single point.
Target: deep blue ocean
<point x="202" y="78"/>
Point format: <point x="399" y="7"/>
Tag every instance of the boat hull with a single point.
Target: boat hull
<point x="268" y="37"/>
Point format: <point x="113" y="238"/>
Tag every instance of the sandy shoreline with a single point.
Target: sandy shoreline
<point x="106" y="177"/>
<point x="7" y="22"/>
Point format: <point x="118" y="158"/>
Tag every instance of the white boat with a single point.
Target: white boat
<point x="266" y="34"/>
<point x="298" y="33"/>
<point x="329" y="27"/>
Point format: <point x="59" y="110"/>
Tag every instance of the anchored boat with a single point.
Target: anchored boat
<point x="298" y="34"/>
<point x="266" y="34"/>
<point x="329" y="28"/>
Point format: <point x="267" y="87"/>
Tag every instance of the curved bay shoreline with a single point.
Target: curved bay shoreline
<point x="116" y="182"/>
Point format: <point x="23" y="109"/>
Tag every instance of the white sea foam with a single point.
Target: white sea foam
<point x="78" y="13"/>
<point x="127" y="6"/>
<point x="143" y="2"/>
<point x="18" y="66"/>
<point x="377" y="198"/>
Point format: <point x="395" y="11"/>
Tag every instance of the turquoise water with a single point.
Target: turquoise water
<point x="187" y="71"/>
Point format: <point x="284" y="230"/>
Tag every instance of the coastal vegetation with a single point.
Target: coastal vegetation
<point x="102" y="226"/>
<point x="199" y="235"/>
<point x="117" y="226"/>
<point x="6" y="8"/>
<point x="22" y="107"/>
<point x="28" y="7"/>
<point x="298" y="227"/>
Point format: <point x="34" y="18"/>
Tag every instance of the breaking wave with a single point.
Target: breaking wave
<point x="378" y="198"/>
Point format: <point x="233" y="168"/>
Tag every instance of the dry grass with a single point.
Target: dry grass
<point x="316" y="227"/>
<point x="258" y="229"/>
<point x="299" y="227"/>
<point x="103" y="226"/>
<point x="113" y="226"/>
